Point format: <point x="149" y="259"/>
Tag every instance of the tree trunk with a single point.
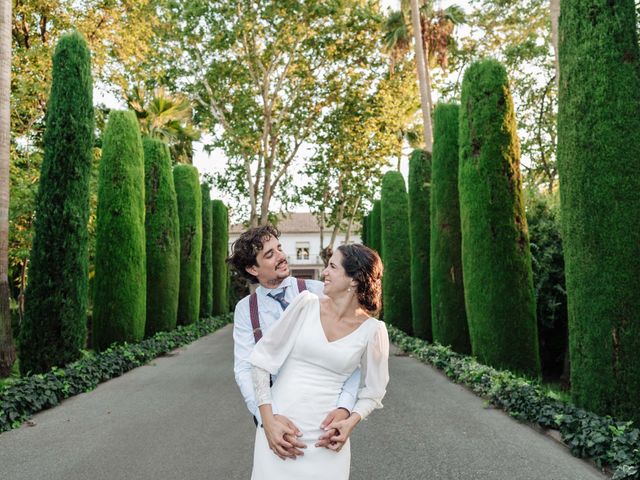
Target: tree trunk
<point x="425" y="100"/>
<point x="7" y="347"/>
<point x="555" y="16"/>
<point x="348" y="232"/>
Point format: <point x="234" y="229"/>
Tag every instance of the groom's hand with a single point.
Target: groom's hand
<point x="334" y="416"/>
<point x="282" y="436"/>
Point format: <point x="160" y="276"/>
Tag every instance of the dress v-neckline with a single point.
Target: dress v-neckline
<point x="324" y="334"/>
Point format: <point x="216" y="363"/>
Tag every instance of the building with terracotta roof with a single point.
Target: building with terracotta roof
<point x="300" y="239"/>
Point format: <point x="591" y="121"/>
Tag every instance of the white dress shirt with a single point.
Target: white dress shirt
<point x="269" y="312"/>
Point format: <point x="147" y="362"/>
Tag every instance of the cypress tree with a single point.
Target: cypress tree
<point x="54" y="328"/>
<point x="162" y="238"/>
<point x="498" y="282"/>
<point x="190" y="214"/>
<point x="206" y="287"/>
<point x="119" y="306"/>
<point x="419" y="236"/>
<point x="220" y="242"/>
<point x="395" y="245"/>
<point x="365" y="230"/>
<point x="448" y="315"/>
<point x="598" y="162"/>
<point x="376" y="228"/>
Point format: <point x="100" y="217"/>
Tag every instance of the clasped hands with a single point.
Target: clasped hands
<point x="284" y="437"/>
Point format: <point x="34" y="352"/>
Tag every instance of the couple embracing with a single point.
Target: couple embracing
<point x="310" y="359"/>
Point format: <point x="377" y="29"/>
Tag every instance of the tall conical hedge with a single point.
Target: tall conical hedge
<point x="599" y="165"/>
<point x="162" y="238"/>
<point x="396" y="286"/>
<point x="206" y="272"/>
<point x="498" y="282"/>
<point x="376" y="228"/>
<point x="448" y="315"/>
<point x="54" y="328"/>
<point x="190" y="214"/>
<point x="120" y="284"/>
<point x="220" y="246"/>
<point x="419" y="236"/>
<point x="365" y="230"/>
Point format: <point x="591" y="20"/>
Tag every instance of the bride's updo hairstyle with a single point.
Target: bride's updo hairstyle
<point x="365" y="267"/>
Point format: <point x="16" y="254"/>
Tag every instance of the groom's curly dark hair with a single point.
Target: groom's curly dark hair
<point x="247" y="246"/>
<point x="364" y="266"/>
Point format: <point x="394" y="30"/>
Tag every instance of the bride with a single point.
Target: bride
<point x="314" y="348"/>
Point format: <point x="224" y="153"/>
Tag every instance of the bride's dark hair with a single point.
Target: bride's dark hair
<point x="364" y="266"/>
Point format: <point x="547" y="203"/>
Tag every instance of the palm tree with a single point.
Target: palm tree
<point x="167" y="117"/>
<point x="7" y="346"/>
<point x="432" y="31"/>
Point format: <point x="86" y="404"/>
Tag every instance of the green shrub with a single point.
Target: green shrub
<point x="496" y="260"/>
<point x="549" y="283"/>
<point x="448" y="318"/>
<point x="54" y="328"/>
<point x="419" y="236"/>
<point x="598" y="163"/>
<point x="220" y="246"/>
<point x="376" y="228"/>
<point x="162" y="239"/>
<point x="206" y="267"/>
<point x="396" y="286"/>
<point x="190" y="214"/>
<point x="365" y="230"/>
<point x="120" y="283"/>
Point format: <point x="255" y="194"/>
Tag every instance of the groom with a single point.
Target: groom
<point x="257" y="255"/>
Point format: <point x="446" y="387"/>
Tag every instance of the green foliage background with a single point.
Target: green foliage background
<point x="220" y="246"/>
<point x="419" y="241"/>
<point x="162" y="239"/>
<point x="189" y="196"/>
<point x="496" y="259"/>
<point x="449" y="318"/>
<point x="120" y="284"/>
<point x="206" y="268"/>
<point x="396" y="286"/>
<point x="53" y="331"/>
<point x="599" y="161"/>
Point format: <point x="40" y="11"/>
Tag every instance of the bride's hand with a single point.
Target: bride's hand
<point x="344" y="429"/>
<point x="276" y="429"/>
<point x="334" y="415"/>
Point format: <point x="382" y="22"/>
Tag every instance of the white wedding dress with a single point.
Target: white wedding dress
<point x="311" y="371"/>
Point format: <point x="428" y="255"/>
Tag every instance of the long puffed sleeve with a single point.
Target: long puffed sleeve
<point x="375" y="373"/>
<point x="274" y="347"/>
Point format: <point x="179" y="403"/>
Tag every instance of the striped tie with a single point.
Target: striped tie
<point x="279" y="297"/>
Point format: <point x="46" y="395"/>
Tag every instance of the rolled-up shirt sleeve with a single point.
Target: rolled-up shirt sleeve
<point x="374" y="368"/>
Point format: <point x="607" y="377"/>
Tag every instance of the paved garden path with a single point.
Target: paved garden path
<point x="182" y="417"/>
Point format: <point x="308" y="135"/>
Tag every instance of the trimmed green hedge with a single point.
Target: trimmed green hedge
<point x="376" y="228"/>
<point x="220" y="246"/>
<point x="606" y="441"/>
<point x="496" y="260"/>
<point x="54" y="329"/>
<point x="162" y="239"/>
<point x="419" y="236"/>
<point x="120" y="283"/>
<point x="365" y="230"/>
<point x="448" y="313"/>
<point x="599" y="165"/>
<point x="206" y="267"/>
<point x="189" y="196"/>
<point x="29" y="395"/>
<point x="396" y="286"/>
